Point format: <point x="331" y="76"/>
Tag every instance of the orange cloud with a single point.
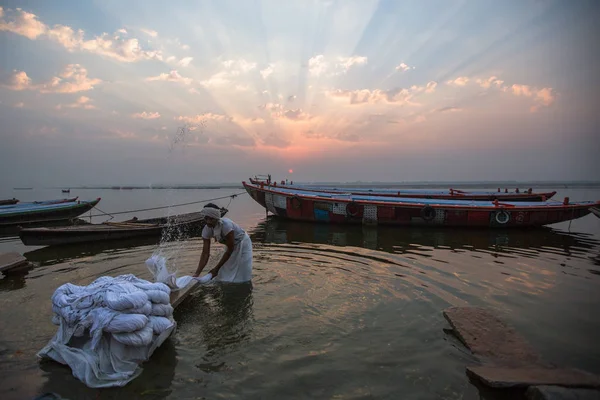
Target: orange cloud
<point x="82" y="102"/>
<point x="319" y="65"/>
<point x="460" y="81"/>
<point x="403" y="67"/>
<point x="172" y="76"/>
<point x="108" y="45"/>
<point x="203" y="118"/>
<point x="146" y="115"/>
<point x="73" y="79"/>
<point x="22" y="23"/>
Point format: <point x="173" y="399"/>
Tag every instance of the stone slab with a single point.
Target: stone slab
<point x="11" y="260"/>
<point x="560" y="393"/>
<point x="490" y="338"/>
<point x="510" y="377"/>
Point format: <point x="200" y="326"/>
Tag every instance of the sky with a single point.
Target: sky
<point x="148" y="92"/>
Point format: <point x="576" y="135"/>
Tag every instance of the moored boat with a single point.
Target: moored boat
<point x="450" y="194"/>
<point x="35" y="213"/>
<point x="7" y="202"/>
<point x="37" y="203"/>
<point x="352" y="208"/>
<point x="169" y="228"/>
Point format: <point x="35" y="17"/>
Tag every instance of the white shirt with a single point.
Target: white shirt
<point x="222" y="229"/>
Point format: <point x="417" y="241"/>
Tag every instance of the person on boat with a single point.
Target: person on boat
<point x="236" y="263"/>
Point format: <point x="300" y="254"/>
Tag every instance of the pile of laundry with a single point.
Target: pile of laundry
<point x="109" y="327"/>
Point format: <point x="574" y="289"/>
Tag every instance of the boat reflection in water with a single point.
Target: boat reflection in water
<point x="398" y="240"/>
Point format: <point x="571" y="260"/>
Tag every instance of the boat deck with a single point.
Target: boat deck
<point x="408" y="200"/>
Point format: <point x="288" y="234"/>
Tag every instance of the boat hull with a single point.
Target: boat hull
<point x="451" y="194"/>
<point x="45" y="213"/>
<point x="172" y="228"/>
<point x="7" y="202"/>
<point x="309" y="206"/>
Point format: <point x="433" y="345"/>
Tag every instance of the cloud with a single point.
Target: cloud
<point x="22" y="23"/>
<point x="82" y="102"/>
<point x="403" y="67"/>
<point x="267" y="71"/>
<point x="522" y="90"/>
<point x="146" y="115"/>
<point x="273" y="140"/>
<point x="149" y="32"/>
<point x="227" y="77"/>
<point x="318" y="65"/>
<point x="460" y="81"/>
<point x="113" y="46"/>
<point x="172" y="76"/>
<point x="429" y="88"/>
<point x="184" y="62"/>
<point x="345" y="63"/>
<point x="19" y="105"/>
<point x="73" y="79"/>
<point x="239" y="66"/>
<point x="19" y="81"/>
<point x="487" y="83"/>
<point x="449" y="109"/>
<point x="313" y="135"/>
<point x="545" y="96"/>
<point x="394" y="96"/>
<point x="296" y="115"/>
<point x="542" y="97"/>
<point x="201" y="119"/>
<point x="219" y="79"/>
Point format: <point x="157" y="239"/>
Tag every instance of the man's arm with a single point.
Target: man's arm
<point x="229" y="242"/>
<point x="203" y="257"/>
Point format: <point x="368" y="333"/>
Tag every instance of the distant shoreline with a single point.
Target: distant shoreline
<point x="473" y="185"/>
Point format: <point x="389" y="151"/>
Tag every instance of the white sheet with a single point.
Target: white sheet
<point x="109" y="327"/>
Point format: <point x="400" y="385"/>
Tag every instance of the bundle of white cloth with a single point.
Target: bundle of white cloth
<point x="109" y="327"/>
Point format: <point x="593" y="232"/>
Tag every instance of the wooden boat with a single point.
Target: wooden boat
<point x="7" y="202"/>
<point x="38" y="203"/>
<point x="451" y="194"/>
<point x="169" y="228"/>
<point x="351" y="208"/>
<point x="595" y="211"/>
<point x="34" y="213"/>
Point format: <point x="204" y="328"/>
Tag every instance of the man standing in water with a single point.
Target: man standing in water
<point x="236" y="263"/>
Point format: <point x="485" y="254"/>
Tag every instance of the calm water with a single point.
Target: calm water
<point x="343" y="312"/>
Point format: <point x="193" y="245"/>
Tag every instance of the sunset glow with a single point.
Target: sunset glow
<point x="371" y="90"/>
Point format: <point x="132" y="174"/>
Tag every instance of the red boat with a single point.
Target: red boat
<point x="350" y="208"/>
<point x="451" y="194"/>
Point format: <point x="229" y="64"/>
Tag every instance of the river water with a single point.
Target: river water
<point x="333" y="312"/>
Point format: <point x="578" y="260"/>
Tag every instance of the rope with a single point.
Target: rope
<point x="232" y="196"/>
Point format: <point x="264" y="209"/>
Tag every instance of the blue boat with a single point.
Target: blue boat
<point x="35" y="213"/>
<point x="37" y="203"/>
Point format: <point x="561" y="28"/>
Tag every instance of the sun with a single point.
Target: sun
<point x="291" y="171"/>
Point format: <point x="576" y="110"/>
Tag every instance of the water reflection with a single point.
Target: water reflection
<point x="401" y="240"/>
<point x="218" y="317"/>
<point x="51" y="255"/>
<point x="155" y="382"/>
